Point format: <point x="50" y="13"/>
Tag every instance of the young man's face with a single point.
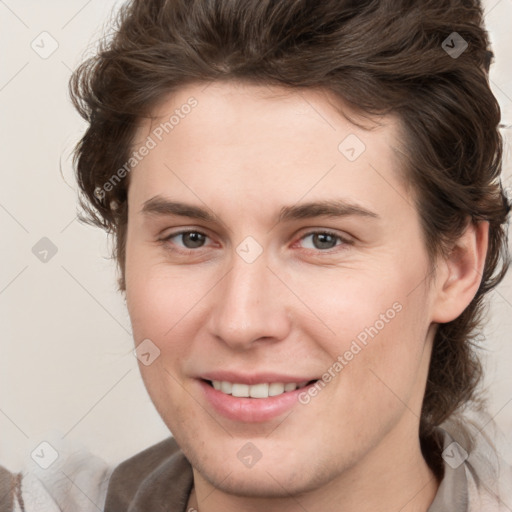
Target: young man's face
<point x="267" y="289"/>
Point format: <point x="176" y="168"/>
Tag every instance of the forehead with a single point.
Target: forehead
<point x="247" y="140"/>
<point x="245" y="107"/>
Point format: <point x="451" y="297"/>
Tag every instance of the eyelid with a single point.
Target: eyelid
<point x="183" y="231"/>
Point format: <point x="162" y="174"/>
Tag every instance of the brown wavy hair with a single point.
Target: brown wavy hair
<point x="378" y="56"/>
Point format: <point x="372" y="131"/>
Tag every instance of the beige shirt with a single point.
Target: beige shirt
<point x="160" y="479"/>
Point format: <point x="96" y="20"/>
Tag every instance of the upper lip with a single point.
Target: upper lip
<point x="255" y="378"/>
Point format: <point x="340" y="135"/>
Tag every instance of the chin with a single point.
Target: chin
<point x="264" y="482"/>
<point x="275" y="475"/>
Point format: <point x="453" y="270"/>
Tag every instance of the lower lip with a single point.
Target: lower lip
<point x="251" y="410"/>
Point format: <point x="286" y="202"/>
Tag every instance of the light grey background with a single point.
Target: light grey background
<point x="66" y="362"/>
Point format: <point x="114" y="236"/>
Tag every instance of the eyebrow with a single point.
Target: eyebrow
<point x="161" y="206"/>
<point x="327" y="208"/>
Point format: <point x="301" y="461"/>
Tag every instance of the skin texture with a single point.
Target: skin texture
<point x="243" y="153"/>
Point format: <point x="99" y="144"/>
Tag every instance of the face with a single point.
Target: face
<point x="268" y="248"/>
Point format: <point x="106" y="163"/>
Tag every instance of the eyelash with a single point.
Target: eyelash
<point x="344" y="241"/>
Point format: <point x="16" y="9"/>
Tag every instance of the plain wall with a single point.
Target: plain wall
<point x="66" y="364"/>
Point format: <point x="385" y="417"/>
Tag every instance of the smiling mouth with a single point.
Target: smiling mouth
<point x="261" y="390"/>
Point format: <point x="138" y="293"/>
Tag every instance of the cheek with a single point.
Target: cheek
<point x="351" y="304"/>
<point x="158" y="295"/>
<point x="373" y="327"/>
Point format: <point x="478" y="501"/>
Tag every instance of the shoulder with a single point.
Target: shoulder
<point x="75" y="481"/>
<point x="477" y="464"/>
<point x="158" y="475"/>
<point x="79" y="480"/>
<point x="9" y="483"/>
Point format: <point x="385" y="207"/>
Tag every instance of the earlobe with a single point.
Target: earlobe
<point x="462" y="275"/>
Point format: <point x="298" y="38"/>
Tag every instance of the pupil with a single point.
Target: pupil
<point x="193" y="240"/>
<point x="324" y="241"/>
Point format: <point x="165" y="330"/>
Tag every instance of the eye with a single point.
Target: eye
<point x="322" y="240"/>
<point x="187" y="239"/>
<point x="316" y="240"/>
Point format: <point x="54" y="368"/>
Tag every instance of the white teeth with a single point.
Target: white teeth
<point x="226" y="387"/>
<point x="262" y="390"/>
<point x="276" y="388"/>
<point x="259" y="391"/>
<point x="240" y="390"/>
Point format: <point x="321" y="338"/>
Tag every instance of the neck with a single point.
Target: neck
<point x="392" y="476"/>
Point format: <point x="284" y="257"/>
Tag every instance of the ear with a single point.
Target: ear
<point x="459" y="274"/>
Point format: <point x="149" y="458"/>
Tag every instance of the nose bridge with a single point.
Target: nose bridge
<point x="248" y="305"/>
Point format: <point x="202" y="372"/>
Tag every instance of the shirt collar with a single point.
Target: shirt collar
<point x="452" y="493"/>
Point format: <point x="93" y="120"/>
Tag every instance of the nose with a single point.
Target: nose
<point x="249" y="306"/>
